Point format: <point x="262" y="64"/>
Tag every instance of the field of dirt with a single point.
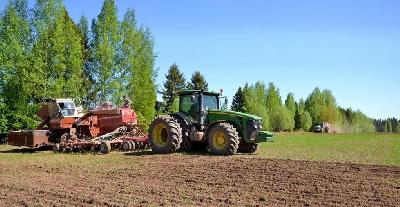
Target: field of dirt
<point x="196" y="180"/>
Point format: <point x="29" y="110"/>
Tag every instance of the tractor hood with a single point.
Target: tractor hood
<point x="234" y="114"/>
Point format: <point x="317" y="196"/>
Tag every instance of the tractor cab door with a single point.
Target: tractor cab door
<point x="189" y="105"/>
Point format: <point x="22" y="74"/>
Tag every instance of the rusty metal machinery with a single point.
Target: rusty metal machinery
<point x="66" y="128"/>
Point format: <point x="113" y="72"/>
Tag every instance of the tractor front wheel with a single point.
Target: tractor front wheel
<point x="165" y="134"/>
<point x="223" y="139"/>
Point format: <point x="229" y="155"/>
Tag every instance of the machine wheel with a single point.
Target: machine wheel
<point x="126" y="146"/>
<point x="93" y="148"/>
<point x="105" y="147"/>
<point x="165" y="134"/>
<point x="247" y="147"/>
<point x="56" y="147"/>
<point x="223" y="139"/>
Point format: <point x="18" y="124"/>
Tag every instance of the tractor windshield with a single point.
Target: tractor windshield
<point x="67" y="108"/>
<point x="210" y="102"/>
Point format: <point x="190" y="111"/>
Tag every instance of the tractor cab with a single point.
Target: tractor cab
<point x="60" y="108"/>
<point x="196" y="103"/>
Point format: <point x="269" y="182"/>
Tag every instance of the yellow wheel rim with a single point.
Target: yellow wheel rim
<point x="160" y="134"/>
<point x="219" y="140"/>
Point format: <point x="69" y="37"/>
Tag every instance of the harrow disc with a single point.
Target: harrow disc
<point x="133" y="145"/>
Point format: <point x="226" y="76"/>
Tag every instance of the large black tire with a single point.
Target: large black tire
<point x="247" y="147"/>
<point x="165" y="134"/>
<point x="187" y="144"/>
<point x="223" y="139"/>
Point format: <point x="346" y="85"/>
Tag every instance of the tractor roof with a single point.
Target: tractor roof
<point x="192" y="92"/>
<point x="57" y="100"/>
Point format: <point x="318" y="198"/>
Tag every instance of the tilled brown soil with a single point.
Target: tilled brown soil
<point x="200" y="180"/>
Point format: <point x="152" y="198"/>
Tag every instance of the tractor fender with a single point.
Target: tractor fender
<point x="211" y="125"/>
<point x="182" y="116"/>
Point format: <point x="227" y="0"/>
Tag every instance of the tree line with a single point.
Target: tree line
<point x="303" y="115"/>
<point x="387" y="125"/>
<point x="278" y="115"/>
<point x="45" y="54"/>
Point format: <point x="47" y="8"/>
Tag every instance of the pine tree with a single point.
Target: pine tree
<point x="175" y="81"/>
<point x="197" y="82"/>
<point x="238" y="101"/>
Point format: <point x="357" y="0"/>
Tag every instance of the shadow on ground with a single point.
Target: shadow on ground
<point x="149" y="152"/>
<point x="25" y="150"/>
<point x="194" y="152"/>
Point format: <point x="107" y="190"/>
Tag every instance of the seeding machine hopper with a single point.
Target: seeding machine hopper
<point x="65" y="127"/>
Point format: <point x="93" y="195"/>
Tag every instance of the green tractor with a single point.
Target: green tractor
<point x="200" y="123"/>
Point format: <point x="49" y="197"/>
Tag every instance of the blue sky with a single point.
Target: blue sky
<point x="349" y="47"/>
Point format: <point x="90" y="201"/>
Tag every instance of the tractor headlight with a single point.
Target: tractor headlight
<point x="257" y="124"/>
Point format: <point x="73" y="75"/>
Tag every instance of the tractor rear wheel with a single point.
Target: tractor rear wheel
<point x="187" y="144"/>
<point x="165" y="134"/>
<point x="247" y="147"/>
<point x="223" y="139"/>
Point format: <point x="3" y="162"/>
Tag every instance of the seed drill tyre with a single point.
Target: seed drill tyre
<point x="247" y="147"/>
<point x="105" y="147"/>
<point x="126" y="146"/>
<point x="165" y="134"/>
<point x="56" y="147"/>
<point x="223" y="139"/>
